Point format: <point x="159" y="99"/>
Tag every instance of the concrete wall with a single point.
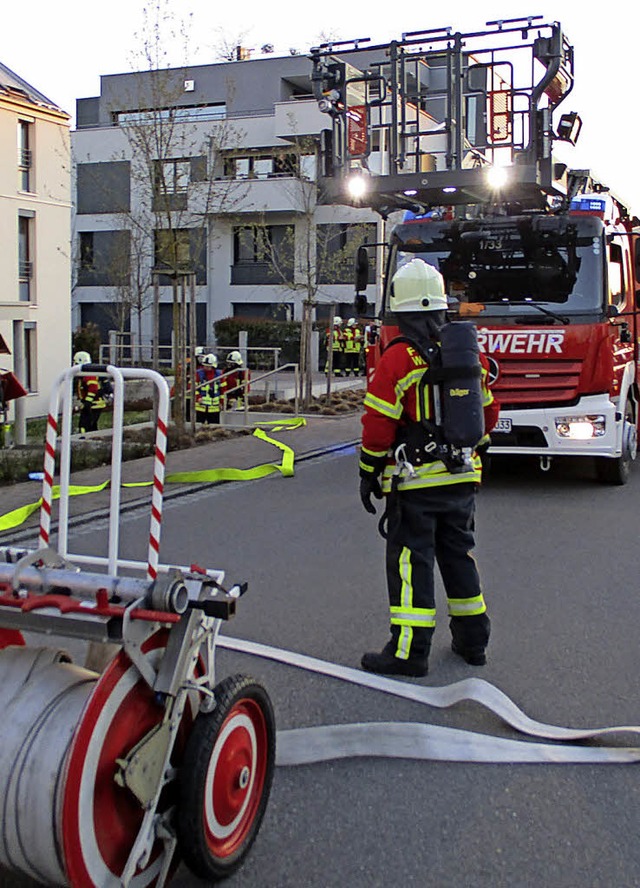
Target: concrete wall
<point x="47" y="205"/>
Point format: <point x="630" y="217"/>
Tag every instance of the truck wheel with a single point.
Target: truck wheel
<point x="225" y="778"/>
<point x="616" y="471"/>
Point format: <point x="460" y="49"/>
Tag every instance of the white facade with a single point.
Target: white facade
<point x="257" y="110"/>
<point x="35" y="219"/>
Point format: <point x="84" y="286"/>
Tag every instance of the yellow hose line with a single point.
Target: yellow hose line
<point x="211" y="476"/>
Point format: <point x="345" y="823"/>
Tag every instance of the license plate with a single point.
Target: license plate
<point x="502" y="425"/>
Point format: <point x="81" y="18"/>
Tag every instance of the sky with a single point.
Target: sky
<point x="62" y="48"/>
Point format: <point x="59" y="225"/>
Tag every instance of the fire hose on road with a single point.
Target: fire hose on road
<point x="112" y="778"/>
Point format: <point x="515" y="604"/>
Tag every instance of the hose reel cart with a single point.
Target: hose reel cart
<point x="110" y="778"/>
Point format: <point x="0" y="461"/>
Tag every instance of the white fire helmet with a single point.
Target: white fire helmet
<point x="351" y="322"/>
<point x="210" y="360"/>
<point x="417" y="286"/>
<point x="235" y="358"/>
<point x="337" y="321"/>
<point x="82" y="357"/>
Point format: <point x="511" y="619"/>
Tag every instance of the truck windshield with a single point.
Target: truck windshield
<point x="513" y="266"/>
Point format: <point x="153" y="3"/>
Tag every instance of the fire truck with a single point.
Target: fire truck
<point x="457" y="142"/>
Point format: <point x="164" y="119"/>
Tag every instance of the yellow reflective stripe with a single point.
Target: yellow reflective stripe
<point x="413" y="616"/>
<point x="433" y="474"/>
<point x="405" y="639"/>
<point x="406" y="600"/>
<point x="393" y="411"/>
<point x="487" y="394"/>
<point x="375" y="453"/>
<point x="466" y="607"/>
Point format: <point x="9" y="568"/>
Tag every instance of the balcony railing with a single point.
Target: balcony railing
<point x="25" y="270"/>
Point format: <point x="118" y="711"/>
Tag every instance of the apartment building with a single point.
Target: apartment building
<point x="209" y="171"/>
<point x="35" y="223"/>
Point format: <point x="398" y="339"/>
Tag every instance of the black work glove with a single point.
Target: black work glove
<point x="370" y="486"/>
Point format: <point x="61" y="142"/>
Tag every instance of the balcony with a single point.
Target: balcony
<point x="273" y="194"/>
<point x="299" y="118"/>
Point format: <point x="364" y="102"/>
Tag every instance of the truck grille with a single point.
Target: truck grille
<point x="539" y="382"/>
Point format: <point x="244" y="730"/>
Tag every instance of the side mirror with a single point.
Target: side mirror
<point x="362" y="269"/>
<point x="360" y="304"/>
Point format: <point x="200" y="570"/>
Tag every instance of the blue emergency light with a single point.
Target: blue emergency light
<point x="588" y="205"/>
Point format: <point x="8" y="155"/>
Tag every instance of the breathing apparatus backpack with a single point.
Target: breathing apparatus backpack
<point x="454" y="375"/>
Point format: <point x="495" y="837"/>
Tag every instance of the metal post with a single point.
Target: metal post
<point x="243" y="339"/>
<point x="192" y="350"/>
<point x="332" y="315"/>
<point x="156" y="323"/>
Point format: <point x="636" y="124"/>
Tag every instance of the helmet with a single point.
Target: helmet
<point x="351" y="322"/>
<point x="337" y="320"/>
<point x="417" y="286"/>
<point x="82" y="357"/>
<point x="210" y="360"/>
<point x="234" y="357"/>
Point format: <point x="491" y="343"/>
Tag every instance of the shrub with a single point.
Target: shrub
<point x="284" y="335"/>
<point x="88" y="339"/>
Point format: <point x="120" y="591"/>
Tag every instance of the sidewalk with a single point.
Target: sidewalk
<point x="320" y="434"/>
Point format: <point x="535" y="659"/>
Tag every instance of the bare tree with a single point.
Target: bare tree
<point x="173" y="149"/>
<point x="306" y="257"/>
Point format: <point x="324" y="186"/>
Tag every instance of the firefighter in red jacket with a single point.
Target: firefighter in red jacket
<point x="430" y="506"/>
<point x="89" y="393"/>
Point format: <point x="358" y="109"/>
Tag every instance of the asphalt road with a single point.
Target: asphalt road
<point x="558" y="558"/>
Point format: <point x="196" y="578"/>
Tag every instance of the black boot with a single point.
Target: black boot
<point x="470" y="637"/>
<point x="386" y="663"/>
<point x="474" y="656"/>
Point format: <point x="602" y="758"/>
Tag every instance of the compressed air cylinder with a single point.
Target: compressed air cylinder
<point x="463" y="416"/>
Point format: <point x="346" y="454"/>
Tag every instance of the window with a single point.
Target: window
<point x="179" y="251"/>
<point x="30" y="381"/>
<point x="104" y="258"/>
<point x="265" y="166"/>
<point x="273" y="311"/>
<point x="172" y="178"/>
<point x="263" y="254"/>
<point x="616" y="274"/>
<point x="104" y="187"/>
<point x="107" y="316"/>
<point x="188" y="113"/>
<point x="25" y="155"/>
<point x="25" y="257"/>
<point x="336" y="249"/>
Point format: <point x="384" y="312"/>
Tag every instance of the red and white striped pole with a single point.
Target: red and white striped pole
<point x="160" y="457"/>
<point x="49" y="468"/>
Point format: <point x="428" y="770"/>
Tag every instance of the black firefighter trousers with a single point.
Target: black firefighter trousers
<point x="428" y="526"/>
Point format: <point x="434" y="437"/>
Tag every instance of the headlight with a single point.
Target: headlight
<point x="357" y="186"/>
<point x="580" y="428"/>
<point x="497" y="177"/>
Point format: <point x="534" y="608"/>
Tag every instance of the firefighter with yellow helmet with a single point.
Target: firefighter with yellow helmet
<point x="429" y="484"/>
<point x="89" y="394"/>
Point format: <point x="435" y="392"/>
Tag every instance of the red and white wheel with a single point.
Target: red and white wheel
<point x="226" y="778"/>
<point x="100" y="819"/>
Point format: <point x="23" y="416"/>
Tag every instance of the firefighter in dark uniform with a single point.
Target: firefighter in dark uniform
<point x="335" y="344"/>
<point x="89" y="393"/>
<point x="208" y="391"/>
<point x="430" y="507"/>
